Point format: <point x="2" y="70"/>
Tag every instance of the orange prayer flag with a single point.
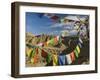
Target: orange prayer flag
<point x="36" y="58"/>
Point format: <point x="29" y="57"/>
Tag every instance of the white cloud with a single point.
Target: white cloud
<point x="69" y="25"/>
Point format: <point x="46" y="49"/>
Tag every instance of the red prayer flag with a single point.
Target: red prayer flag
<point x="36" y="58"/>
<point x="36" y="50"/>
<point x="72" y="55"/>
<point x="54" y="17"/>
<point x="43" y="54"/>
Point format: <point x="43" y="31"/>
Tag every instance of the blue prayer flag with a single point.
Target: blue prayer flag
<point x="61" y="59"/>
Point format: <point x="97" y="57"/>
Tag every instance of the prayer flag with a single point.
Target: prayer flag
<point x="80" y="45"/>
<point x="29" y="52"/>
<point x="35" y="58"/>
<point x="80" y="40"/>
<point x="51" y="16"/>
<point x="48" y="58"/>
<point x="78" y="49"/>
<point x="68" y="58"/>
<point x="36" y="50"/>
<point x="61" y="59"/>
<point x="76" y="53"/>
<point x="55" y="60"/>
<point x="32" y="53"/>
<point x="44" y="54"/>
<point x="72" y="55"/>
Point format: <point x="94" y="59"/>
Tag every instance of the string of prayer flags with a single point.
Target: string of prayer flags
<point x="35" y="52"/>
<point x="55" y="60"/>
<point x="61" y="59"/>
<point x="68" y="58"/>
<point x="72" y="55"/>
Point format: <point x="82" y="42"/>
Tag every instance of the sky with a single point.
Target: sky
<point x="37" y="25"/>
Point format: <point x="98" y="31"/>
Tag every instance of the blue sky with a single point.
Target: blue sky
<point x="39" y="25"/>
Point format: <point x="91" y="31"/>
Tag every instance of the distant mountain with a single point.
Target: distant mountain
<point x="36" y="39"/>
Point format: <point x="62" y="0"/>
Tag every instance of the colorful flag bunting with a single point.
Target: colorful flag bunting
<point x="55" y="59"/>
<point x="61" y="59"/>
<point x="72" y="55"/>
<point x="68" y="58"/>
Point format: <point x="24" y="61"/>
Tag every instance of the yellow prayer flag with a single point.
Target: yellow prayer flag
<point x="29" y="52"/>
<point x="55" y="60"/>
<point x="78" y="49"/>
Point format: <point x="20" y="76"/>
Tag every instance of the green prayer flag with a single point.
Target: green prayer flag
<point x="76" y="53"/>
<point x="32" y="53"/>
<point x="51" y="42"/>
<point x="48" y="59"/>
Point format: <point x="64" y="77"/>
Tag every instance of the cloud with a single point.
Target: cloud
<point x="57" y="25"/>
<point x="69" y="33"/>
<point x="68" y="26"/>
